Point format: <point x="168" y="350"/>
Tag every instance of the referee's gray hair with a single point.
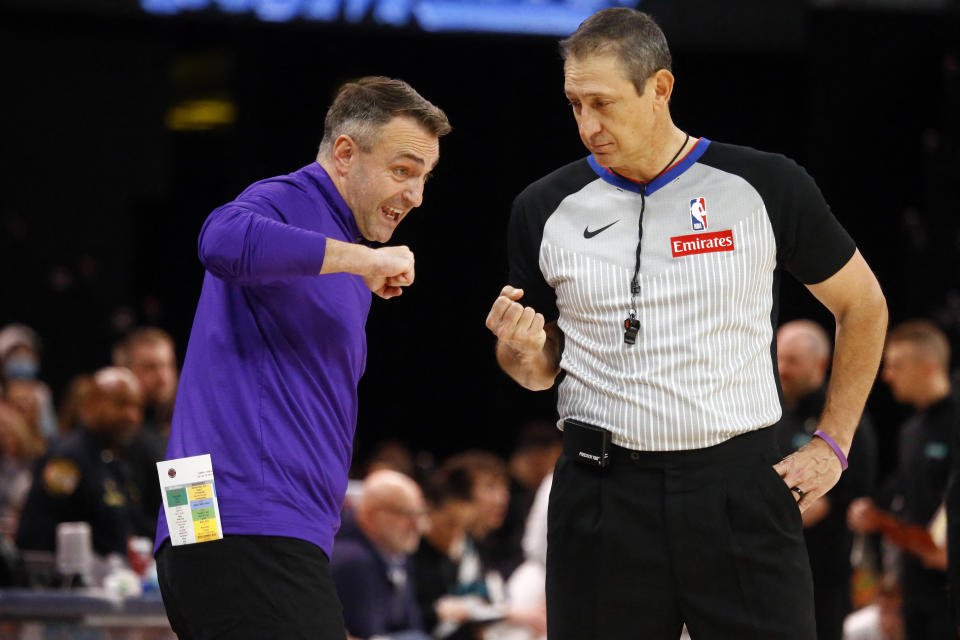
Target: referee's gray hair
<point x="631" y="35"/>
<point x="361" y="107"/>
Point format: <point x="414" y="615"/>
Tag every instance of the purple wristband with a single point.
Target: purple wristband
<point x="833" y="445"/>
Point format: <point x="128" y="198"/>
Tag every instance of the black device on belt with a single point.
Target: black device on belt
<point x="586" y="443"/>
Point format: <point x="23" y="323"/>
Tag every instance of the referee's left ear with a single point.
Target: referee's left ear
<point x="661" y="83"/>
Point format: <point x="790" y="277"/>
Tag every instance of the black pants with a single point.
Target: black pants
<point x="710" y="537"/>
<point x="928" y="616"/>
<point x="250" y="587"/>
<point x="832" y="605"/>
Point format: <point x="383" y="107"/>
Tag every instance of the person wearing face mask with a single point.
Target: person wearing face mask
<point x="82" y="479"/>
<point x="268" y="387"/>
<point x="20" y="349"/>
<point x="19" y="352"/>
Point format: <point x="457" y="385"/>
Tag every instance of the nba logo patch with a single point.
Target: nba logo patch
<point x="698" y="214"/>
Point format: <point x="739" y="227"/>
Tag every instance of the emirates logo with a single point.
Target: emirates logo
<point x="702" y="243"/>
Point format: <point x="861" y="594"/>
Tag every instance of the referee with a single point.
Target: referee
<point x="648" y="274"/>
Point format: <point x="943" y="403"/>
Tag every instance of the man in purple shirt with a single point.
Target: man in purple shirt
<point x="269" y="382"/>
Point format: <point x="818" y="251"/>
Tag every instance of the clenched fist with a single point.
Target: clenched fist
<point x="390" y="268"/>
<point x="518" y="327"/>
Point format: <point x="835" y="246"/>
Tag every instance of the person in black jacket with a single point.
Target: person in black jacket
<point x="916" y="367"/>
<point x="151" y="355"/>
<point x="803" y="357"/>
<point x="953" y="530"/>
<point x="371" y="560"/>
<point x="450" y="509"/>
<point x="83" y="479"/>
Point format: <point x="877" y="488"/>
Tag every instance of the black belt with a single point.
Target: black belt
<point x="591" y="445"/>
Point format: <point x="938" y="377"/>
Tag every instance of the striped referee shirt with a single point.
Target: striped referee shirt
<point x="719" y="226"/>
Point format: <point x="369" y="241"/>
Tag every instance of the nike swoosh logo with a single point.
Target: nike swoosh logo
<point x="589" y="234"/>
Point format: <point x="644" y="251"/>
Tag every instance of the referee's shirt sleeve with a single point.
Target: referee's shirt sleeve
<point x="814" y="245"/>
<point x="524" y="237"/>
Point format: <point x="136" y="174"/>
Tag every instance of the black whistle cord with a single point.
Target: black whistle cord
<point x="631" y="325"/>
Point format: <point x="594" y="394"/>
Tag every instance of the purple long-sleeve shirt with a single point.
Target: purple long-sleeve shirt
<point x="269" y="382"/>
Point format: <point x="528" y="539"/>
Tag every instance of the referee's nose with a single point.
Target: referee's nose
<point x="589" y="125"/>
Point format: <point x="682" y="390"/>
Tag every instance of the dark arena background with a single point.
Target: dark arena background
<point x="124" y="125"/>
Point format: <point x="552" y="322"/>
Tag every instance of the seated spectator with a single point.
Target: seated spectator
<point x="387" y="454"/>
<point x="473" y="596"/>
<point x="370" y="562"/>
<point x="81" y="478"/>
<point x="916" y="366"/>
<point x="489" y="489"/>
<point x="526" y="587"/>
<point x="534" y="456"/>
<point x="78" y="389"/>
<point x="394" y="455"/>
<point x="882" y="620"/>
<point x="20" y="349"/>
<point x="450" y="510"/>
<point x="18" y="450"/>
<point x="25" y="396"/>
<point x="803" y="357"/>
<point x="149" y="353"/>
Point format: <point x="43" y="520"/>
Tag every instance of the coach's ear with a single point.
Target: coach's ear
<point x="345" y="152"/>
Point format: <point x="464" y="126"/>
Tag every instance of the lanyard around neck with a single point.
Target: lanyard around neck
<point x="631" y="326"/>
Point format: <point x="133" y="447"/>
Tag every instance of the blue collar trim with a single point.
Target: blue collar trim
<point x="649" y="188"/>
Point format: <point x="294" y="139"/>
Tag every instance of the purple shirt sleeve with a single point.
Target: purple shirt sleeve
<point x="243" y="242"/>
<point x="269" y="380"/>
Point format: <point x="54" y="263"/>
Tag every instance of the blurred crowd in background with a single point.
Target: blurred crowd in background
<point x="456" y="547"/>
<point x="439" y="538"/>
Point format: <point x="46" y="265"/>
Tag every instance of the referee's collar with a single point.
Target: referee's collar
<point x="648" y="188"/>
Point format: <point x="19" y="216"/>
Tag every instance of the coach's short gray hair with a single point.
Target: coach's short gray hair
<point x="361" y="107"/>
